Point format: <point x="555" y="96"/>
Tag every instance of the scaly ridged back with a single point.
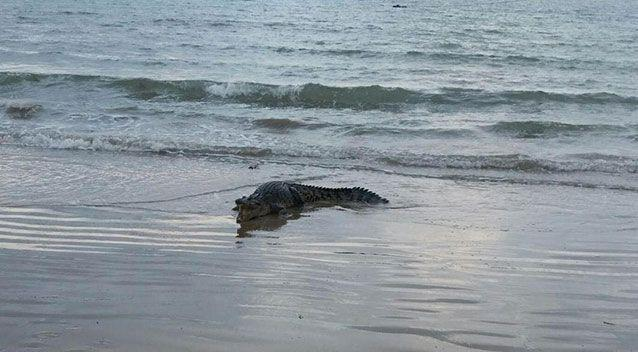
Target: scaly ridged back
<point x="310" y="194"/>
<point x="279" y="193"/>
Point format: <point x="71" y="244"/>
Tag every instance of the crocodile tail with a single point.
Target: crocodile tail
<point x="336" y="195"/>
<point x="363" y="195"/>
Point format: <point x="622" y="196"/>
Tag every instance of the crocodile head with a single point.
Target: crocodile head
<point x="250" y="209"/>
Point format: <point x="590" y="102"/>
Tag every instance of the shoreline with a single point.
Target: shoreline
<point x="449" y="265"/>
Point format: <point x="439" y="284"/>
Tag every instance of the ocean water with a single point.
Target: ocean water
<point x="498" y="91"/>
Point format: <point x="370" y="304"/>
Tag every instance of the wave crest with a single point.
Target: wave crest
<point x="56" y="140"/>
<point x="313" y="95"/>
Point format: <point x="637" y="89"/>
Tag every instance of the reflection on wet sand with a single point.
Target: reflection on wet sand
<point x="341" y="279"/>
<point x="266" y="223"/>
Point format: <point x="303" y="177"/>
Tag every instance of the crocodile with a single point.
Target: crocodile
<point x="277" y="196"/>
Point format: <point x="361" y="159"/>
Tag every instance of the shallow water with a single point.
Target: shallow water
<point x="155" y="263"/>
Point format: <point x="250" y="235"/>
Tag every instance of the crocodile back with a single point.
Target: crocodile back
<point x="311" y="194"/>
<point x="278" y="193"/>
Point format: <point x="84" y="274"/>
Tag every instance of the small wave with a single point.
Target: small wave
<point x="93" y="56"/>
<point x="81" y="13"/>
<point x="536" y="129"/>
<point x="313" y="95"/>
<point x="123" y="109"/>
<point x="220" y="23"/>
<point x="604" y="157"/>
<point x="346" y="52"/>
<point x="278" y="123"/>
<point x="469" y="57"/>
<point x="171" y="21"/>
<point x="114" y="25"/>
<point x="27" y="19"/>
<point x="449" y="45"/>
<point x="585" y="98"/>
<point x="26" y="52"/>
<point x="57" y="140"/>
<point x="146" y="89"/>
<point x="22" y="110"/>
<point x="537" y="182"/>
<point x="191" y="45"/>
<point x="415" y="53"/>
<point x="480" y="97"/>
<point x="522" y="58"/>
<point x="454" y="56"/>
<point x="154" y="63"/>
<point x="284" y="49"/>
<point x="492" y="31"/>
<point x="513" y="162"/>
<point x="283" y="124"/>
<point x="279" y="24"/>
<point x="331" y="52"/>
<point x="425" y="133"/>
<point x="507" y="162"/>
<point x="9" y="78"/>
<point x="377" y="97"/>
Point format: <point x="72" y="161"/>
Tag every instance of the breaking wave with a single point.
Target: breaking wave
<point x="313" y="95"/>
<point x="507" y="162"/>
<point x="284" y="124"/>
<point x="56" y="140"/>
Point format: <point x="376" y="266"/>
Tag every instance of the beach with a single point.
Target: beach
<point x="503" y="133"/>
<point x="448" y="265"/>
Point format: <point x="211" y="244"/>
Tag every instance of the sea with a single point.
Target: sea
<point x="531" y="92"/>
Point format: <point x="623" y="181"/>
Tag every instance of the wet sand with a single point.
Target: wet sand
<point x="112" y="252"/>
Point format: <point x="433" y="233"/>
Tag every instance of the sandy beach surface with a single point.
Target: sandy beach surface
<point x="135" y="252"/>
